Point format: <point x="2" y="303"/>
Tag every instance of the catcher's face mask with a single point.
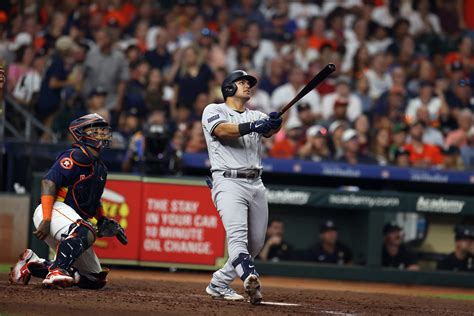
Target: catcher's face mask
<point x="91" y="130"/>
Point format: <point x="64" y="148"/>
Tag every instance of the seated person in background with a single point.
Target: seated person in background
<point x="461" y="259"/>
<point x="316" y="147"/>
<point x="330" y="249"/>
<point x="394" y="253"/>
<point x="452" y="158"/>
<point x="402" y="158"/>
<point x="275" y="248"/>
<point x="352" y="154"/>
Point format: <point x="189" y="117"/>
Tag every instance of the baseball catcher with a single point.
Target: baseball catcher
<point x="70" y="197"/>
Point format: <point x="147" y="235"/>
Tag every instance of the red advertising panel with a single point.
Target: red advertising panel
<point x="122" y="201"/>
<point x="180" y="225"/>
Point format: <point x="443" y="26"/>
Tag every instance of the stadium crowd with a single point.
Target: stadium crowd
<point x="402" y="93"/>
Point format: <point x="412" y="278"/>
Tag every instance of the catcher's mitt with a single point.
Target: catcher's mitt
<point x="107" y="227"/>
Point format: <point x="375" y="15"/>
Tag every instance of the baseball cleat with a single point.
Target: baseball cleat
<point x="58" y="278"/>
<point x="226" y="293"/>
<point x="19" y="273"/>
<point x="252" y="288"/>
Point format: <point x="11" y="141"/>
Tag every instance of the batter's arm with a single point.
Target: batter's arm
<point x="227" y="131"/>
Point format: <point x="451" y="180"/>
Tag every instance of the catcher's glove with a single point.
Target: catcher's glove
<point x="107" y="227"/>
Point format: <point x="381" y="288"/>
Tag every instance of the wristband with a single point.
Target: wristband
<point x="244" y="129"/>
<point x="47" y="202"/>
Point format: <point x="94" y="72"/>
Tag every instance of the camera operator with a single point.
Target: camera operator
<point x="151" y="151"/>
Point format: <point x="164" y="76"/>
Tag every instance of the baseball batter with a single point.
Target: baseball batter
<point x="70" y="196"/>
<point x="233" y="135"/>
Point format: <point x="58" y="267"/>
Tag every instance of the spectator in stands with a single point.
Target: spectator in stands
<point x="336" y="129"/>
<point x="28" y="85"/>
<point x="461" y="259"/>
<point x="393" y="106"/>
<point x="421" y="154"/>
<point x="23" y="61"/>
<point x="276" y="248"/>
<point x="446" y="121"/>
<point x="426" y="99"/>
<point x="459" y="96"/>
<point x="132" y="53"/>
<point x="193" y="76"/>
<point x="362" y="127"/>
<point x="343" y="91"/>
<point x="394" y="253"/>
<point x="330" y="249"/>
<point x="452" y="158"/>
<point x="287" y="147"/>
<point x="459" y="137"/>
<point x="399" y="136"/>
<point x="157" y="94"/>
<point x="431" y="135"/>
<point x="380" y="146"/>
<point x="362" y="92"/>
<point x="159" y="57"/>
<point x="243" y="58"/>
<point x="55" y="78"/>
<point x="135" y="90"/>
<point x="196" y="142"/>
<point x="379" y="78"/>
<point x="95" y="102"/>
<point x="316" y="147"/>
<point x="283" y="94"/>
<point x="402" y="157"/>
<point x="352" y="154"/>
<point x="107" y="67"/>
<point x="467" y="151"/>
<point x="422" y="20"/>
<point x="303" y="53"/>
<point x="305" y="116"/>
<point x="275" y="77"/>
<point x="361" y="62"/>
<point x="202" y="100"/>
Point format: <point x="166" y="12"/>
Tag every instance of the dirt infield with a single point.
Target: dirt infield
<point x="162" y="293"/>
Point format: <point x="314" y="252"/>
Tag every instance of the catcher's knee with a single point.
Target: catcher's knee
<point x="84" y="232"/>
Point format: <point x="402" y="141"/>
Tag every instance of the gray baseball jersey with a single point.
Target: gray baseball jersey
<point x="241" y="202"/>
<point x="239" y="154"/>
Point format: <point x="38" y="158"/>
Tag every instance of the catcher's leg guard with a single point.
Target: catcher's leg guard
<point x="81" y="236"/>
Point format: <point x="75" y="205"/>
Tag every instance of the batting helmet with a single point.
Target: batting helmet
<point x="98" y="138"/>
<point x="229" y="87"/>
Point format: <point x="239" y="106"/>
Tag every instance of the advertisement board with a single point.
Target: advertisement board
<point x="180" y="225"/>
<point x="167" y="222"/>
<point x="122" y="200"/>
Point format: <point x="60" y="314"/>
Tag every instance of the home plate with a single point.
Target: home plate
<point x="279" y="304"/>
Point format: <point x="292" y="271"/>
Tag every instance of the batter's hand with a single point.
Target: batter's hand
<point x="261" y="126"/>
<point x="275" y="120"/>
<point x="43" y="230"/>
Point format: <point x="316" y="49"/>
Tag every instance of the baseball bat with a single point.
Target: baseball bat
<point x="320" y="76"/>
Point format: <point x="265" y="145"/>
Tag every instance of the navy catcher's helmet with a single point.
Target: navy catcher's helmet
<point x="98" y="137"/>
<point x="229" y="88"/>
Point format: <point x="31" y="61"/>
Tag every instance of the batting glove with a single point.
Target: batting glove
<point x="261" y="126"/>
<point x="275" y="120"/>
